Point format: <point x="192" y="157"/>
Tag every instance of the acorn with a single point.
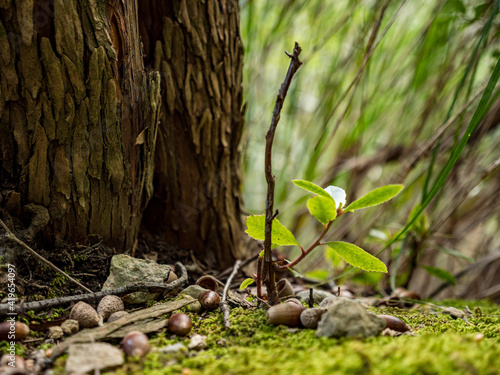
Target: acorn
<point x="13" y="331"/>
<point x="109" y="305"/>
<point x="287" y="313"/>
<point x="394" y="323"/>
<point x="179" y="324"/>
<point x="209" y="300"/>
<point x="136" y="343"/>
<point x="311" y="317"/>
<point x="86" y="315"/>
<point x="208" y="282"/>
<point x="294" y="300"/>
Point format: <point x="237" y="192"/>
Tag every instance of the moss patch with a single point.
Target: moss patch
<point x="443" y="345"/>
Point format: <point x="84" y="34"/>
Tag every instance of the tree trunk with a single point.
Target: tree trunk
<point x="79" y="114"/>
<point x="196" y="47"/>
<point x="79" y="117"/>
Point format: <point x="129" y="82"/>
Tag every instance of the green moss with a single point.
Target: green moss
<point x="5" y="348"/>
<point x="55" y="313"/>
<point x="442" y="345"/>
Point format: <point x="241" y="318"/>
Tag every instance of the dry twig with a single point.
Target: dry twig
<point x="5" y="308"/>
<point x="13" y="237"/>
<point x="268" y="271"/>
<point x="223" y="306"/>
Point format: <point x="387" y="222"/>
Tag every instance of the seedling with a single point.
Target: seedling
<point x="326" y="206"/>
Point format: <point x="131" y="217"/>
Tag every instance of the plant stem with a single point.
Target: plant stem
<point x="304" y="253"/>
<point x="268" y="269"/>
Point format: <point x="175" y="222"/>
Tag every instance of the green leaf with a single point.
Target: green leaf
<point x="441" y="274"/>
<point x="455" y="253"/>
<point x="280" y="235"/>
<point x="357" y="257"/>
<point x="319" y="275"/>
<point x="333" y="257"/>
<point x="296" y="273"/>
<point x="313" y="188"/>
<point x="377" y="196"/>
<point x="246" y="283"/>
<point x="322" y="209"/>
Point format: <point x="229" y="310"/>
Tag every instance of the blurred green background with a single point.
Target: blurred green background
<point x="387" y="94"/>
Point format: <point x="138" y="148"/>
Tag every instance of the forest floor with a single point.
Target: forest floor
<point x="438" y="344"/>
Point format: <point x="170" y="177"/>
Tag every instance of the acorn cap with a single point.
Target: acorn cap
<point x="208" y="282"/>
<point x="86" y="315"/>
<point x="109" y="305"/>
<point x="311" y="317"/>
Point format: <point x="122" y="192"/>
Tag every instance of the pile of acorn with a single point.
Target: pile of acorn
<point x="110" y="309"/>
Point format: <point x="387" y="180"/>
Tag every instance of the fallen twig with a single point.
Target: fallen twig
<point x="6" y="309"/>
<point x="223" y="306"/>
<point x="13" y="237"/>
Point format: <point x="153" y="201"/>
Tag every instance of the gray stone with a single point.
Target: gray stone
<point x="126" y="270"/>
<point x="348" y="318"/>
<point x="83" y="358"/>
<point x="194" y="307"/>
<point x="328" y="301"/>
<point x="318" y="295"/>
<point x="172" y="349"/>
<point x="198" y="342"/>
<point x="70" y="326"/>
<point x="193" y="290"/>
<point x="55" y="333"/>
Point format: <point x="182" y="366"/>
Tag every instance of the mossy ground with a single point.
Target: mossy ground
<point x="442" y="345"/>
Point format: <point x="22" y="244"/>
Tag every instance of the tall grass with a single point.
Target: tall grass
<point x="389" y="93"/>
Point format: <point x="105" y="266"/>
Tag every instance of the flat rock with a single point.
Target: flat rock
<point x="318" y="295"/>
<point x="193" y="291"/>
<point x="83" y="358"/>
<point x="126" y="270"/>
<point x="348" y="318"/>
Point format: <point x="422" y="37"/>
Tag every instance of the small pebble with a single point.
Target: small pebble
<point x="198" y="342"/>
<point x="70" y="326"/>
<point x="55" y="333"/>
<point x="172" y="349"/>
<point x="222" y="342"/>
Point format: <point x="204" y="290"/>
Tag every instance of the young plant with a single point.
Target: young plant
<point x="326" y="206"/>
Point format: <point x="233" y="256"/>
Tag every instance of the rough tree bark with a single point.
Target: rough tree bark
<point x="196" y="47"/>
<point x="79" y="117"/>
<point x="79" y="108"/>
